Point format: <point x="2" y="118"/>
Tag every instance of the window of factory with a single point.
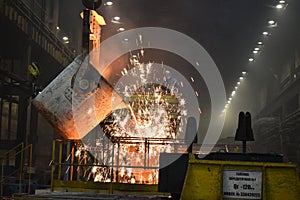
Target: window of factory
<point x="9" y="117"/>
<point x="14" y="121"/>
<point x="4" y="119"/>
<point x="12" y="158"/>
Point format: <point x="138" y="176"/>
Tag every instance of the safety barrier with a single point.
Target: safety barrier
<point x="214" y="179"/>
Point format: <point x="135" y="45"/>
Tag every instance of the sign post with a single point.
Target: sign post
<point x="242" y="184"/>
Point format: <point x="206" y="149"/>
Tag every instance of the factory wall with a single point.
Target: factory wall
<point x="29" y="34"/>
<point x="277" y="124"/>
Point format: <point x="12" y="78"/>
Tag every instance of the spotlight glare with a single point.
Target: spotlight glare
<point x="109" y="3"/>
<point x="271" y="22"/>
<point x="116" y="18"/>
<point x="265" y="33"/>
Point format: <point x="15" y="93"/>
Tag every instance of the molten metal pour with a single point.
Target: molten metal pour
<point x="80" y="98"/>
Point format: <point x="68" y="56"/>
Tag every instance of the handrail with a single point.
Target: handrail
<point x="2" y="180"/>
<point x="21" y="152"/>
<point x="101" y="165"/>
<point x="10" y="150"/>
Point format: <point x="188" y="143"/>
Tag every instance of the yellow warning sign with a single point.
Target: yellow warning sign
<point x="33" y="69"/>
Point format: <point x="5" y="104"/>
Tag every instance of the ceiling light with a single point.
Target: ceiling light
<point x="65" y="38"/>
<point x="255" y="51"/>
<point x="228" y="102"/>
<point x="109" y="3"/>
<point x="57" y="28"/>
<point x="126" y="39"/>
<point x="116" y="18"/>
<point x="121" y="29"/>
<point x="241" y="78"/>
<point x="251" y="59"/>
<point x="281" y="1"/>
<point x="192" y="78"/>
<point x="236" y="87"/>
<point x="265" y="33"/>
<point x="271" y="22"/>
<point x="233" y="93"/>
<point x="230" y="98"/>
<point x="259" y="43"/>
<point x="279" y="6"/>
<point x="244" y="73"/>
<point x="67" y="42"/>
<point x="238" y="82"/>
<point x="226" y="105"/>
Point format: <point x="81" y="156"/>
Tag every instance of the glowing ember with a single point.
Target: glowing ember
<point x="132" y="137"/>
<point x="156" y="110"/>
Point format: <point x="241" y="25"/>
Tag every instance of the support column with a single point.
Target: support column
<point x="32" y="137"/>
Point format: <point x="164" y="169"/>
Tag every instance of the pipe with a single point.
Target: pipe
<point x="59" y="160"/>
<point x="21" y="169"/>
<point x="30" y="165"/>
<point x="52" y="165"/>
<point x="2" y="176"/>
<point x="72" y="162"/>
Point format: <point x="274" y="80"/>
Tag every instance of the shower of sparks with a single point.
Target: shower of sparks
<point x="156" y="111"/>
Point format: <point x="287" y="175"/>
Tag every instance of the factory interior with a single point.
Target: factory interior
<point x="160" y="99"/>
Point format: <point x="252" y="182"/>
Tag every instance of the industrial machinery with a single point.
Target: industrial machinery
<point x="103" y="153"/>
<point x="102" y="150"/>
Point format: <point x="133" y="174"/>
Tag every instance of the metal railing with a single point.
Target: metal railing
<point x="20" y="152"/>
